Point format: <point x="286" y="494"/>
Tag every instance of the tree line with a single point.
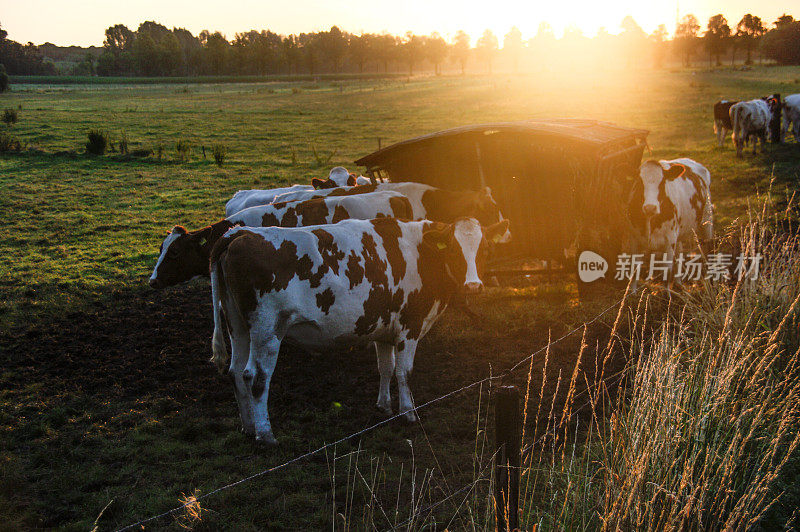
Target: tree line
<point x="155" y="50"/>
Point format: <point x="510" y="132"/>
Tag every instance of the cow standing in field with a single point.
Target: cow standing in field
<point x="340" y="177"/>
<point x="427" y="202"/>
<point x="184" y="254"/>
<point x="670" y="207"/>
<point x="791" y="116"/>
<point x="751" y="119"/>
<point x="250" y="198"/>
<point x="722" y="119"/>
<point x="353" y="283"/>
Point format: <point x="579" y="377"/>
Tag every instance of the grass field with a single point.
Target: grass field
<point x="107" y="399"/>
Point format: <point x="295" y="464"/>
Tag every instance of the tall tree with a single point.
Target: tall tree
<point x="717" y="37"/>
<point x="333" y="47"/>
<point x="512" y="46"/>
<point x="658" y="40"/>
<point x="749" y="31"/>
<point x="460" y="50"/>
<point x="385" y="47"/>
<point x="435" y="51"/>
<point x="486" y="47"/>
<point x="686" y="37"/>
<point x="782" y="43"/>
<point x="360" y="49"/>
<point x="412" y="50"/>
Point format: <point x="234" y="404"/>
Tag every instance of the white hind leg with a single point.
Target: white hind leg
<point x="264" y="348"/>
<point x="385" y="354"/>
<point x="240" y="352"/>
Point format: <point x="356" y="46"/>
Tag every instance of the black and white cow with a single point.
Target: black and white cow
<point x="752" y="119"/>
<point x="427" y="202"/>
<point x="722" y="119"/>
<point x="184" y="254"/>
<point x="384" y="281"/>
<point x="670" y="207"/>
<point x="791" y="116"/>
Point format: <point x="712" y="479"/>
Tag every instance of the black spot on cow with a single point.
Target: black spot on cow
<point x="331" y="254"/>
<point x="389" y="231"/>
<point x="374" y="266"/>
<point x="325" y="300"/>
<point x="354" y="271"/>
<point x="381" y="303"/>
<point x="260" y="382"/>
<point x="401" y="345"/>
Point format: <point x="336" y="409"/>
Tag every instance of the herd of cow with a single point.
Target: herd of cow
<point x="348" y="262"/>
<point x="751" y="120"/>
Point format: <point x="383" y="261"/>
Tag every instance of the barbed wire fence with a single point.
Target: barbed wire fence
<point x="195" y="500"/>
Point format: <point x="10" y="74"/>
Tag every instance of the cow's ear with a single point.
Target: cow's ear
<point x="179" y="229"/>
<point x="495" y="232"/>
<point x="351" y="180"/>
<point x="674" y="171"/>
<point x="317" y="183"/>
<point x="438" y="236"/>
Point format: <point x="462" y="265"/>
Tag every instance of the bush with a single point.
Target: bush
<point x="182" y="148"/>
<point x="159" y="150"/>
<point x="9" y="143"/>
<point x="10" y="116"/>
<point x="219" y="151"/>
<point x="98" y="142"/>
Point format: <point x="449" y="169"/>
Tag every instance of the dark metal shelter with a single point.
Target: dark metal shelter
<point x="562" y="183"/>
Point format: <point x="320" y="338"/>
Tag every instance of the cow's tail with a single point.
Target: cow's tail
<point x="739" y="133"/>
<point x="218" y="348"/>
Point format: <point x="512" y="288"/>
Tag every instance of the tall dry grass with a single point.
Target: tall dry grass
<point x="694" y="432"/>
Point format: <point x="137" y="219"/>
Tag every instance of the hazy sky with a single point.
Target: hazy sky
<point x="83" y="22"/>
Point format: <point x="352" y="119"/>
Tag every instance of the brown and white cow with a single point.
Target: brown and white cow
<point x="340" y="177"/>
<point x="249" y="198"/>
<point x="722" y="119"/>
<point x="427" y="202"/>
<point x="670" y="207"/>
<point x="350" y="284"/>
<point x="184" y="254"/>
<point x="752" y="119"/>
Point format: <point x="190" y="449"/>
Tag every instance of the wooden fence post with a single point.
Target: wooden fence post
<point x="507" y="459"/>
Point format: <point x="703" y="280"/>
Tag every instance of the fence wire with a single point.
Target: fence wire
<point x="195" y="500"/>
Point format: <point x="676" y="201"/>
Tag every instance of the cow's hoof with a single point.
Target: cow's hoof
<point x="385" y="410"/>
<point x="410" y="417"/>
<point x="266" y="440"/>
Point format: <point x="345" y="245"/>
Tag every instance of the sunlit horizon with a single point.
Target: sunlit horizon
<point x="83" y="23"/>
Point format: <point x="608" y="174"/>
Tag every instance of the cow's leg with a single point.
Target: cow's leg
<point x="264" y="348"/>
<point x="385" y="354"/>
<point x="240" y="353"/>
<point x="405" y="349"/>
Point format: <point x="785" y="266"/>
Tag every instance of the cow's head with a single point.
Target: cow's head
<point x="181" y="258"/>
<point x="338" y="177"/>
<point x="462" y="247"/>
<point x="652" y="174"/>
<point x="772" y="103"/>
<point x="486" y="211"/>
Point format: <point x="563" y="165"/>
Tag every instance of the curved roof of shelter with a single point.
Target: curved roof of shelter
<point x="589" y="133"/>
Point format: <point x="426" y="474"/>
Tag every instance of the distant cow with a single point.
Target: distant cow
<point x="722" y="119"/>
<point x="248" y="198"/>
<point x="670" y="207"/>
<point x="328" y="287"/>
<point x="340" y="177"/>
<point x="184" y="254"/>
<point x="427" y="202"/>
<point x="751" y="119"/>
<point x="791" y="116"/>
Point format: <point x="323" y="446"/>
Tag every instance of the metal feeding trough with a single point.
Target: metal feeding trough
<point x="562" y="183"/>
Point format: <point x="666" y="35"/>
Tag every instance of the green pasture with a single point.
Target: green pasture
<point x="81" y="235"/>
